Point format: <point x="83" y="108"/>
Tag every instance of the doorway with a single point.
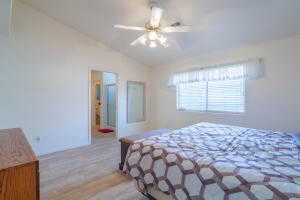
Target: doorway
<point x="103" y="105"/>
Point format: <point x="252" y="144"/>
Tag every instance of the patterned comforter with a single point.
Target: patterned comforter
<point x="210" y="161"/>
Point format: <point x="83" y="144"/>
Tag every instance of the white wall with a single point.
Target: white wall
<point x="44" y="81"/>
<point x="272" y="102"/>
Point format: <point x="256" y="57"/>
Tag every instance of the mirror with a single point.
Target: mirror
<point x="135" y="101"/>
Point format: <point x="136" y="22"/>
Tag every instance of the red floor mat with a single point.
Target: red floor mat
<point x="105" y="130"/>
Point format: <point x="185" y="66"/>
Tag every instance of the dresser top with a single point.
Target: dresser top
<point x="14" y="149"/>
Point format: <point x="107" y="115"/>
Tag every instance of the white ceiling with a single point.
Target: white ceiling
<point x="218" y="24"/>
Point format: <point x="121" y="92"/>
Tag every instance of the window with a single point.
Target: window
<point x="216" y="88"/>
<point x="226" y="96"/>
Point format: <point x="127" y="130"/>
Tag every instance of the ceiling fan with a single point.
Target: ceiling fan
<point x="154" y="34"/>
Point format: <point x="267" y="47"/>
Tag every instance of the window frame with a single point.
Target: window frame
<point x="215" y="111"/>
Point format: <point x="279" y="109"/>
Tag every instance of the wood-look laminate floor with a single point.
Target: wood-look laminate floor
<point x="86" y="173"/>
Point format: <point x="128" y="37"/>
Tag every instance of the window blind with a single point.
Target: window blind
<point x="192" y="96"/>
<point x="227" y="96"/>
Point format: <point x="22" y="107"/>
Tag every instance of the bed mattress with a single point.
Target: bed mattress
<point x="212" y="161"/>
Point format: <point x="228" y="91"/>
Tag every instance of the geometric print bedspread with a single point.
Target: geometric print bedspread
<point x="217" y="162"/>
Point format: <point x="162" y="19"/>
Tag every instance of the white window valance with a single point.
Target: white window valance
<point x="251" y="69"/>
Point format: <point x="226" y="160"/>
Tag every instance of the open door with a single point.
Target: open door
<point x="103" y="105"/>
<point x="111" y="106"/>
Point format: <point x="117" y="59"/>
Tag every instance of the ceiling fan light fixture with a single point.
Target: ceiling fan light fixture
<point x="152" y="44"/>
<point x="165" y="45"/>
<point x="162" y="39"/>
<point x="155" y="34"/>
<point x="152" y="35"/>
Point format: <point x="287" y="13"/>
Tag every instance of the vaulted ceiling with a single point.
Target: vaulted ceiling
<point x="218" y="24"/>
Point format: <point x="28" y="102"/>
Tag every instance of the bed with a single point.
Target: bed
<point x="213" y="161"/>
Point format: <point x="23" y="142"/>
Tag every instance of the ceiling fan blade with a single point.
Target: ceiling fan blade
<point x="140" y="40"/>
<point x="177" y="29"/>
<point x="156" y="14"/>
<point x="134" y="28"/>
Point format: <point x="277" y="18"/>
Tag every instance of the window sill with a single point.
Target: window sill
<point x="213" y="112"/>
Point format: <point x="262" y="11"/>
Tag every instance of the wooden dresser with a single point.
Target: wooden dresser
<point x="19" y="167"/>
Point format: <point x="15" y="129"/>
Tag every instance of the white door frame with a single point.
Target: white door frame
<point x="90" y="101"/>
